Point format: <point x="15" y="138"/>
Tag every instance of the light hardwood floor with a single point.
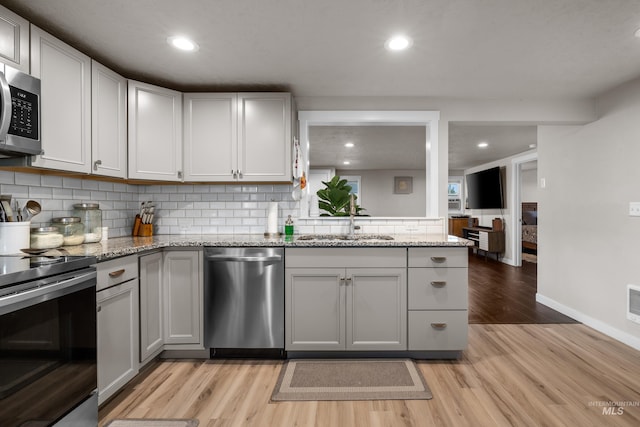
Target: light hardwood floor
<point x="511" y="375"/>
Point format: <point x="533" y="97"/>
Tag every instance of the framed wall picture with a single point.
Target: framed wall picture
<point x="402" y="184"/>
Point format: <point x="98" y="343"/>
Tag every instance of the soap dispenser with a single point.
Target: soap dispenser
<point x="288" y="226"/>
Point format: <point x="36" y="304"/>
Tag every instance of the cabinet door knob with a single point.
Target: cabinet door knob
<point x="117" y="273"/>
<point x="179" y="174"/>
<point x="99" y="309"/>
<point x="96" y="164"/>
<point x="348" y="280"/>
<point x="438" y="259"/>
<point x="438" y="325"/>
<point x="438" y="284"/>
<point x="239" y="174"/>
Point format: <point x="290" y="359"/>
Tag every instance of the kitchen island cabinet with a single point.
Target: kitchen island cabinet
<point x="345" y="299"/>
<point x="438" y="299"/>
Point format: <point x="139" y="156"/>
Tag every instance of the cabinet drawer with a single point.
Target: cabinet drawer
<point x="438" y="257"/>
<point x="438" y="288"/>
<point x="438" y="330"/>
<point x="117" y="271"/>
<point x="345" y="257"/>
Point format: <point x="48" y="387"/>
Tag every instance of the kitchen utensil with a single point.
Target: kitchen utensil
<point x="6" y="206"/>
<point x="31" y="209"/>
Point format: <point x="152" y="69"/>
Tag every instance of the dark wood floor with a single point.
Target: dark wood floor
<point x="500" y="293"/>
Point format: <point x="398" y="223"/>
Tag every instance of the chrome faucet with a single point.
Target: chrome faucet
<point x="352" y="214"/>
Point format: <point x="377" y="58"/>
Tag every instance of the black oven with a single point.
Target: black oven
<point x="48" y="363"/>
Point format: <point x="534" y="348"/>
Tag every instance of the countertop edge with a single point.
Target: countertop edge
<point x="124" y="246"/>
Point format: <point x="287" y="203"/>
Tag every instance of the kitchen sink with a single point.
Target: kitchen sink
<point x="345" y="237"/>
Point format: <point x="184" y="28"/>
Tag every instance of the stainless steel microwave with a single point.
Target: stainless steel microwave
<point x="19" y="114"/>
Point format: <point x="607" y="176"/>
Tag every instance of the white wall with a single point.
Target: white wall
<point x="588" y="245"/>
<point x="466" y="111"/>
<point x="378" y="198"/>
<point x="529" y="185"/>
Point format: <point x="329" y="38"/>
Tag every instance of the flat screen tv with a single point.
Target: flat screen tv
<point x="484" y="189"/>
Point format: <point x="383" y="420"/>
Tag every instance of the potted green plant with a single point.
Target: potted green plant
<point x="334" y="199"/>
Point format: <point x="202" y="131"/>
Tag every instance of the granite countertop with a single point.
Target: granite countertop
<point x="121" y="246"/>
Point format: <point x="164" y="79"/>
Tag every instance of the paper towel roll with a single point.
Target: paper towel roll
<point x="272" y="218"/>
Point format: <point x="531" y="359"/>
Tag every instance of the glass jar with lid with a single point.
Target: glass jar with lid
<point x="45" y="238"/>
<point x="91" y="216"/>
<point x="71" y="229"/>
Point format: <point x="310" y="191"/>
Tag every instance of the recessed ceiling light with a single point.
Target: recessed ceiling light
<point x="346" y="162"/>
<point x="183" y="43"/>
<point x="637" y="33"/>
<point x="483" y="144"/>
<point x="532" y="145"/>
<point x="349" y="144"/>
<point x="398" y="43"/>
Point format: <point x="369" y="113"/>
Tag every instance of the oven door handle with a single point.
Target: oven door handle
<point x="14" y="302"/>
<point x="6" y="106"/>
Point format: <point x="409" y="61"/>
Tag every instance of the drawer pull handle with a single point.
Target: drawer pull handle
<point x="438" y="325"/>
<point x="441" y="284"/>
<point x="438" y="259"/>
<point x="117" y="273"/>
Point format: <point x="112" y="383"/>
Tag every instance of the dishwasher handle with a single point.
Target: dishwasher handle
<point x="243" y="258"/>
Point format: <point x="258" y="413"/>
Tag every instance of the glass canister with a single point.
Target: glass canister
<point x="91" y="216"/>
<point x="45" y="238"/>
<point x="71" y="228"/>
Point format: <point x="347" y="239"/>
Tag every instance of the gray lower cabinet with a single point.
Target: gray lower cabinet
<point x="345" y="299"/>
<point x="151" y="306"/>
<point x="183" y="300"/>
<point x="438" y="299"/>
<point x="117" y="330"/>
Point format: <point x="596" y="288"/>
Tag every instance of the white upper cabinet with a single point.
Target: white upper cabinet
<point x="108" y="122"/>
<point x="264" y="137"/>
<point x="65" y="75"/>
<point x="14" y="40"/>
<point x="155" y="132"/>
<point x="210" y="136"/>
<point x="238" y="137"/>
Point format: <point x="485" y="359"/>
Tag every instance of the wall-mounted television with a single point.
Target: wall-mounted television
<point x="484" y="189"/>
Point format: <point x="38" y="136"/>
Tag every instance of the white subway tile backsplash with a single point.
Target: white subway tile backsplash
<point x="27" y="179"/>
<point x="207" y="209"/>
<point x="7" y="177"/>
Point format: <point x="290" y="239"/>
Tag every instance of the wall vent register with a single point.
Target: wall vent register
<point x="633" y="303"/>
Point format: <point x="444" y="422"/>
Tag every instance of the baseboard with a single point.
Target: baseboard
<point x="598" y="325"/>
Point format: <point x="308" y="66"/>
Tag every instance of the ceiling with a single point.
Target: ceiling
<point x="374" y="147"/>
<point x="503" y="141"/>
<point x="497" y="49"/>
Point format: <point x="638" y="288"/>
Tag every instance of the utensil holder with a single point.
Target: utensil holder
<point x="146" y="230"/>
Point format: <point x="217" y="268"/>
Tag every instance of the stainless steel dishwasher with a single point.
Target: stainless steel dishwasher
<point x="244" y="300"/>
